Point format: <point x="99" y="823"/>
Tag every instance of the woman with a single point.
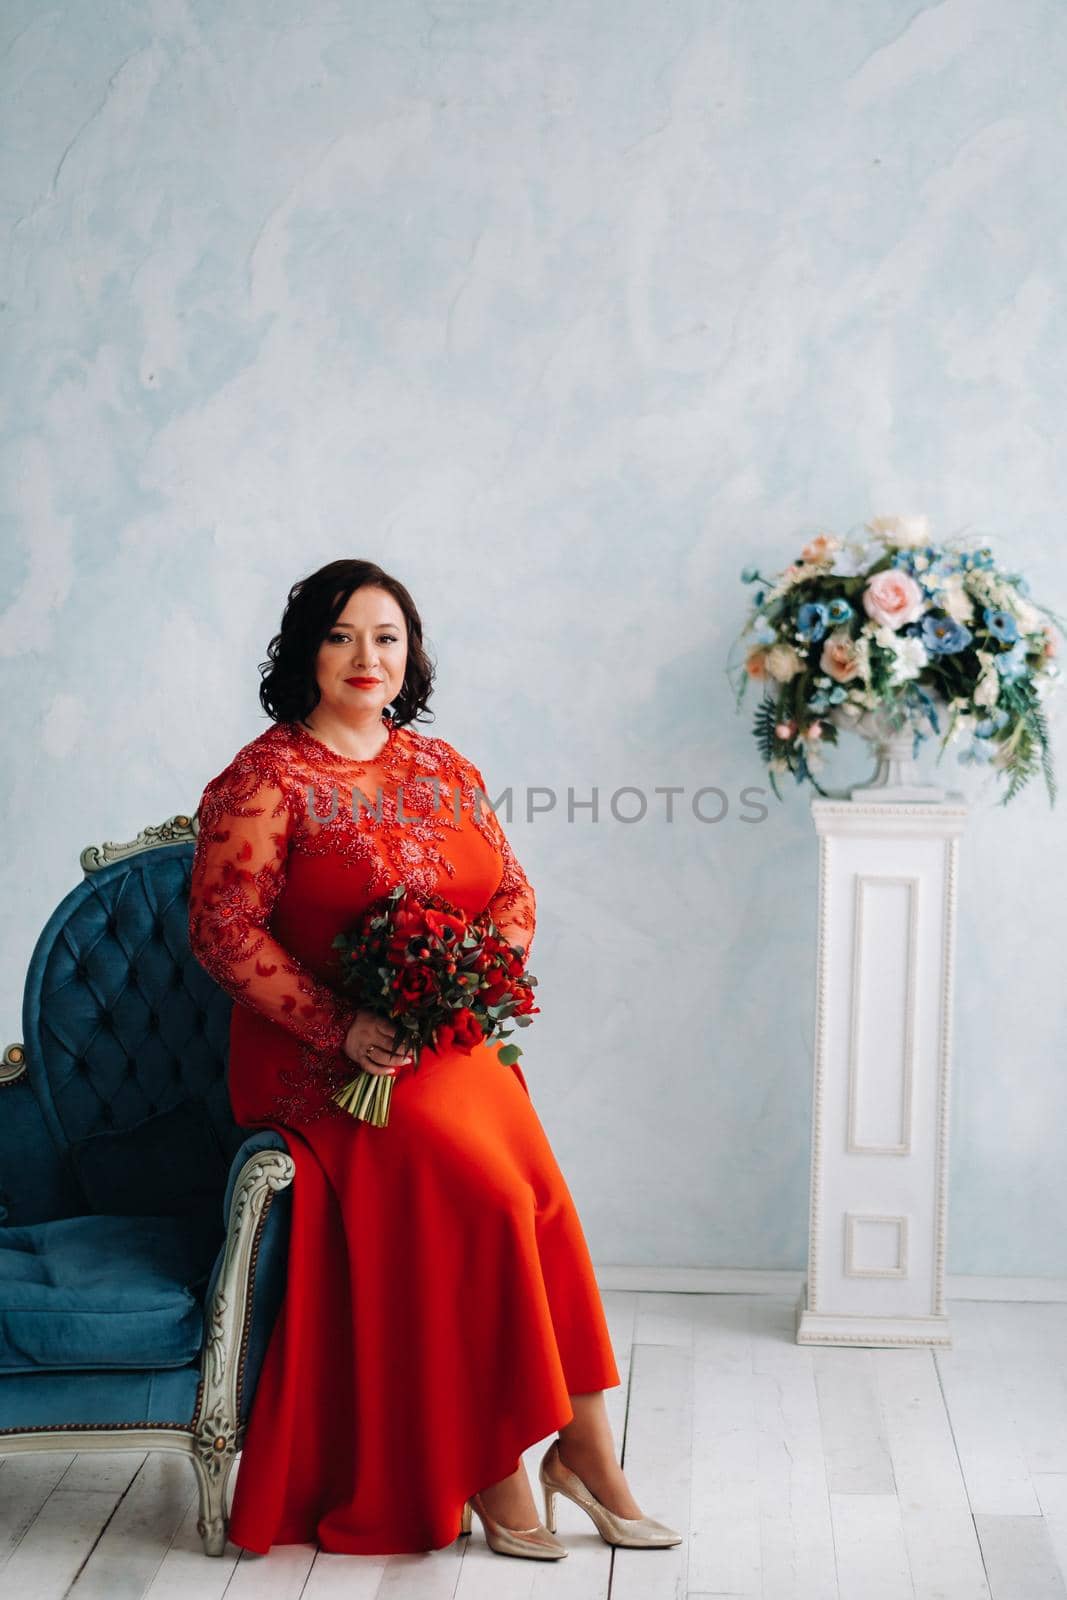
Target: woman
<point x="441" y="1312"/>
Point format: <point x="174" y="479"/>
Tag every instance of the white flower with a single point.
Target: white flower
<point x="907" y="532"/>
<point x="854" y="559"/>
<point x="954" y="599"/>
<point x="910" y="654"/>
<point x="911" y="658"/>
<point x="991" y="590"/>
<point x="987" y="688"/>
<point x="782" y="662"/>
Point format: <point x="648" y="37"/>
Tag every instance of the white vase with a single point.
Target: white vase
<point x="896" y="775"/>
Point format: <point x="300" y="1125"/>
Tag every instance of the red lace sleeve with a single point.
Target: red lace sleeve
<point x="238" y="872"/>
<point x="513" y="906"/>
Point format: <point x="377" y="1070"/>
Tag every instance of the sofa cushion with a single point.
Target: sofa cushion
<point x="103" y="1292"/>
<point x="168" y="1165"/>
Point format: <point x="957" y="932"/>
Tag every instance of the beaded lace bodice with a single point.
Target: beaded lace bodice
<point x="287" y="796"/>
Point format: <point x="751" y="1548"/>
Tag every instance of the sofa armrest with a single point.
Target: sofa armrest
<point x="248" y="1280"/>
<point x="261" y="1139"/>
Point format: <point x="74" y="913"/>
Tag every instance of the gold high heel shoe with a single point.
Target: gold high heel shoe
<point x="635" y="1533"/>
<point x="535" y="1542"/>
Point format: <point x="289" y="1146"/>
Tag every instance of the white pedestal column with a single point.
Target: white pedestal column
<point x="880" y="1080"/>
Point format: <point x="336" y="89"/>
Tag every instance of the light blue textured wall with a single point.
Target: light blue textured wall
<point x="564" y="312"/>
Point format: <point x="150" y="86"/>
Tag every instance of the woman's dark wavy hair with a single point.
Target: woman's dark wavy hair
<point x="289" y="690"/>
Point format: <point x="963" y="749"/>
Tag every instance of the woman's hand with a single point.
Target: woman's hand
<point x="368" y="1043"/>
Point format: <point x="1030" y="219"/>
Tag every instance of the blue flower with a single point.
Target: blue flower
<point x="1012" y="663"/>
<point x="749" y="575"/>
<point x="991" y="724"/>
<point x="811" y="620"/>
<point x="944" y="636"/>
<point x="837" y="694"/>
<point x="764" y="632"/>
<point x="1001" y="623"/>
<point x="977" y="753"/>
<point x="839" y="611"/>
<point x="909" y="560"/>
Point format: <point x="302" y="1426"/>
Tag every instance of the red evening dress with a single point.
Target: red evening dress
<point x="440" y="1305"/>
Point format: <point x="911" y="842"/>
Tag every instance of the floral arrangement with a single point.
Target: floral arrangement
<point x="892" y="622"/>
<point x="442" y="978"/>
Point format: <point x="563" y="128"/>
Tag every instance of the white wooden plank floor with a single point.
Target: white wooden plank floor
<point x="795" y="1473"/>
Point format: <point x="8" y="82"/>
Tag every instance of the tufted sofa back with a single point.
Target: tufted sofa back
<point x="119" y="1021"/>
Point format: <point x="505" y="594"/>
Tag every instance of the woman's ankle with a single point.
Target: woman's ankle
<point x="600" y="1471"/>
<point x="510" y="1501"/>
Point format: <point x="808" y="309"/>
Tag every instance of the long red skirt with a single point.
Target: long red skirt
<point x="441" y="1307"/>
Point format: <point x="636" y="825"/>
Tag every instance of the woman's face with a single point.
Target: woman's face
<point x="367" y="642"/>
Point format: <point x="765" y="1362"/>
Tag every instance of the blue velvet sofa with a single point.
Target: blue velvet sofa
<point x="143" y="1234"/>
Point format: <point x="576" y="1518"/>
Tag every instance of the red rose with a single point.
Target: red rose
<point x="467" y="1030"/>
<point x="415" y="984"/>
<point x="407" y="922"/>
<point x="449" y="929"/>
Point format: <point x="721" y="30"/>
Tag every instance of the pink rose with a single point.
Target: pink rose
<point x="892" y="598"/>
<point x="840" y="657"/>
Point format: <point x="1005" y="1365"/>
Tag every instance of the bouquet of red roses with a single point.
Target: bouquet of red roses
<point x="441" y="978"/>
